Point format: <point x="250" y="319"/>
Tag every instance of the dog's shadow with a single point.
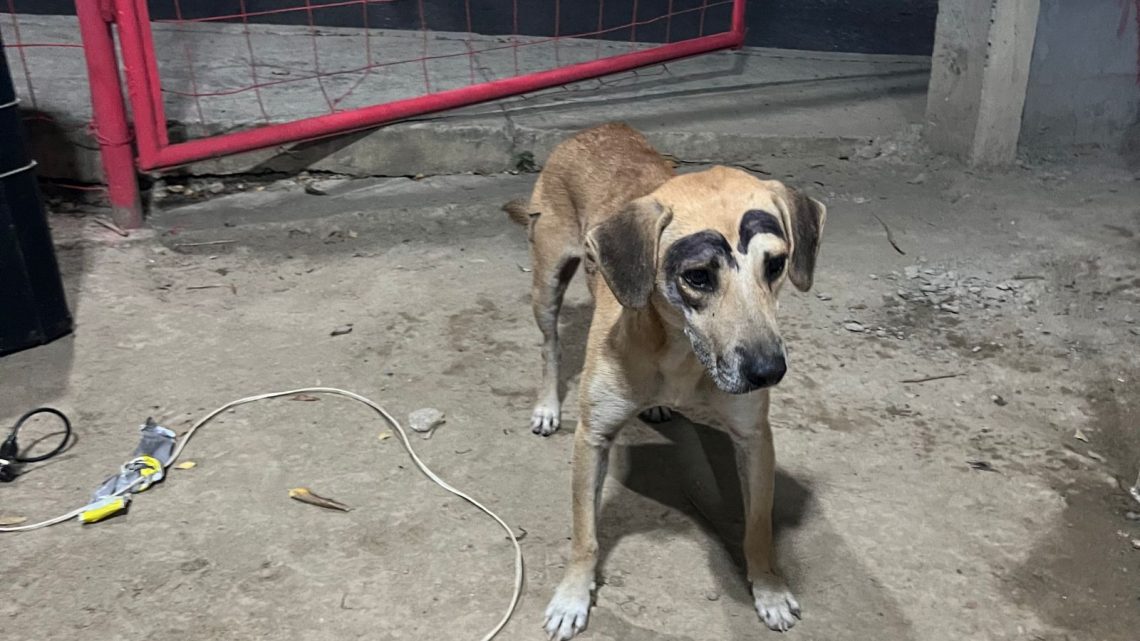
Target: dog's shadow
<point x="695" y="474"/>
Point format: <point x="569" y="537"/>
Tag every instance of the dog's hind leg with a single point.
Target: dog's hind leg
<point x="551" y="277"/>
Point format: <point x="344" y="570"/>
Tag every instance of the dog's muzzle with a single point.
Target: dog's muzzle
<point x="745" y="370"/>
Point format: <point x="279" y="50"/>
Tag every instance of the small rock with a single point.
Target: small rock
<point x="949" y="307"/>
<point x="929" y="288"/>
<point x="1003" y="287"/>
<point x="342" y="330"/>
<point x="854" y="327"/>
<point x="976" y="349"/>
<point x="216" y="187"/>
<point x="998" y="400"/>
<point x="930" y="272"/>
<point x="1132" y="516"/>
<point x="1095" y="456"/>
<point x="974" y="290"/>
<point x="873" y="276"/>
<point x="176" y="189"/>
<point x="919" y="179"/>
<point x="1129" y="319"/>
<point x="911" y="272"/>
<point x="1080" y="436"/>
<point x="425" y="420"/>
<point x="1134" y="330"/>
<point x="712" y="595"/>
<point x="823" y="296"/>
<point x="1136" y="543"/>
<point x="901" y="293"/>
<point x="992" y="293"/>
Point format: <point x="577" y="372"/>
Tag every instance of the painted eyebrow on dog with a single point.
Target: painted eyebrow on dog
<point x="757" y="221"/>
<point x="697" y="247"/>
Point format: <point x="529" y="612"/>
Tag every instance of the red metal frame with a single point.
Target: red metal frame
<point x="155" y="151"/>
<point x="109" y="114"/>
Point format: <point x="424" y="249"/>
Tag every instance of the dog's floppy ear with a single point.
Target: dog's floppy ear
<point x="624" y="247"/>
<point x="806" y="216"/>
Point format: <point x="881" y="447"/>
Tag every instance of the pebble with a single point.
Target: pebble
<point x="823" y="296"/>
<point x="911" y="272"/>
<point x="1134" y="330"/>
<point x="854" y="327"/>
<point x="216" y="187"/>
<point x="712" y="595"/>
<point x="1136" y="543"/>
<point x="974" y="290"/>
<point x="948" y="307"/>
<point x="1132" y="516"/>
<point x="919" y="179"/>
<point x="425" y="420"/>
<point x="873" y="276"/>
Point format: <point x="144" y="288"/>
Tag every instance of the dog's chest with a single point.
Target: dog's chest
<point x="684" y="382"/>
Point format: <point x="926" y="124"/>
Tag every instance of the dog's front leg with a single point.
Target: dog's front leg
<point x="756" y="461"/>
<point x="568" y="610"/>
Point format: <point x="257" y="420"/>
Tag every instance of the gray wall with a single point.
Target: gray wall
<point x="1083" y="85"/>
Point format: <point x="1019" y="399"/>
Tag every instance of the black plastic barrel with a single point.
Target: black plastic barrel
<point x="33" y="309"/>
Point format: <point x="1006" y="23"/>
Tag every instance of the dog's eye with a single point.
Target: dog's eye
<point x="699" y="279"/>
<point x="774" y="267"/>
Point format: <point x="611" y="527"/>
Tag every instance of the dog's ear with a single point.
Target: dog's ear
<point x="624" y="247"/>
<point x="806" y="216"/>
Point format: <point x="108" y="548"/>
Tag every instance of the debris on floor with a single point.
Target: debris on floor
<point x="425" y="420"/>
<point x="305" y="495"/>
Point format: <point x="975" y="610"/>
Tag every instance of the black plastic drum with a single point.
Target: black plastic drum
<point x="33" y="310"/>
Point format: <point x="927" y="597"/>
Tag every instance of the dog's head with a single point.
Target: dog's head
<point x="710" y="251"/>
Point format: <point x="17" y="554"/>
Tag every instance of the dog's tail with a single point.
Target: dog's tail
<point x="519" y="211"/>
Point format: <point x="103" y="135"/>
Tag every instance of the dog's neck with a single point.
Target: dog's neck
<point x="655" y="334"/>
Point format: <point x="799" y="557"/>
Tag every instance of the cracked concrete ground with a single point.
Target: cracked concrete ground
<point x="886" y="530"/>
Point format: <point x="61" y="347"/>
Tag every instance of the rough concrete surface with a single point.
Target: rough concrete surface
<point x="1083" y="87"/>
<point x="718" y="106"/>
<point x="1022" y="287"/>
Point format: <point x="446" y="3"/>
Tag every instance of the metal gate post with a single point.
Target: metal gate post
<point x="109" y="114"/>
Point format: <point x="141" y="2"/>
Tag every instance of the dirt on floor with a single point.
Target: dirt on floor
<point x="955" y="436"/>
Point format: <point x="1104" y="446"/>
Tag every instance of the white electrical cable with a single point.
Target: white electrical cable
<point x="399" y="429"/>
<point x="18" y="170"/>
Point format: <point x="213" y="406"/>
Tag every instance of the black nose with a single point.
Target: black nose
<point x="764" y="371"/>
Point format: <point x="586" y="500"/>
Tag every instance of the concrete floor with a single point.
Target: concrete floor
<point x="884" y="529"/>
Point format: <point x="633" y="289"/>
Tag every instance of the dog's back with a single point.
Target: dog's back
<point x="587" y="179"/>
<point x="591" y="176"/>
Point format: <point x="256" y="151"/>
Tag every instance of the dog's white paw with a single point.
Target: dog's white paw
<point x="568" y="611"/>
<point x="545" y="419"/>
<point x="659" y="414"/>
<point x="775" y="604"/>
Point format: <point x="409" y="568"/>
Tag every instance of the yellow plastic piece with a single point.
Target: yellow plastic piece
<point x="152" y="467"/>
<point x="103" y="510"/>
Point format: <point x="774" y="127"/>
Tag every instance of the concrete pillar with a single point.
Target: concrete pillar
<point x="979" y="72"/>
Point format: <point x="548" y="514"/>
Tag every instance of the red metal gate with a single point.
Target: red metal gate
<point x="154" y="149"/>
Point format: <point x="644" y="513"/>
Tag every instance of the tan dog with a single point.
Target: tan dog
<point x="686" y="320"/>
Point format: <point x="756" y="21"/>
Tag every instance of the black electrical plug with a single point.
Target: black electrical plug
<point x="10" y="450"/>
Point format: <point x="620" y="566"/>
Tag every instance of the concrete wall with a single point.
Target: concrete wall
<point x="1083" y="80"/>
<point x="851" y="26"/>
